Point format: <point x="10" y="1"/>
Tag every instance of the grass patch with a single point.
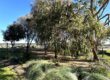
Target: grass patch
<point x="45" y="70"/>
<point x="108" y="51"/>
<point x="7" y="74"/>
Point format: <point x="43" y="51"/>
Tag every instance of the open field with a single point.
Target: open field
<point x="4" y="45"/>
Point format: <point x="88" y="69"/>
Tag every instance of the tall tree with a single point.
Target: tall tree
<point x="96" y="8"/>
<point x="28" y="25"/>
<point x="40" y="12"/>
<point x="14" y="32"/>
<point x="47" y="15"/>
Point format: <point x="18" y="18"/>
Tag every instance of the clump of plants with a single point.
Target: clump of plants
<point x="37" y="69"/>
<point x="7" y="74"/>
<point x="61" y="73"/>
<point x="96" y="72"/>
<point x="41" y="70"/>
<point x="49" y="71"/>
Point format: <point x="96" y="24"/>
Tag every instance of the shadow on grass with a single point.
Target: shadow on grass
<point x="103" y="52"/>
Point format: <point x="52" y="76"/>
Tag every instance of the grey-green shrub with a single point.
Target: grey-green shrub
<point x="34" y="71"/>
<point x="41" y="70"/>
<point x="95" y="76"/>
<point x="48" y="71"/>
<point x="99" y="69"/>
<point x="60" y="74"/>
<point x="80" y="72"/>
<point x="37" y="70"/>
<point x="91" y="74"/>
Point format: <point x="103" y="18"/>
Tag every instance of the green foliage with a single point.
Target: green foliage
<point x="60" y="74"/>
<point x="80" y="72"/>
<point x="7" y="53"/>
<point x="7" y="74"/>
<point x="41" y="70"/>
<point x="48" y="71"/>
<point x="4" y="53"/>
<point x="91" y="74"/>
<point x="37" y="70"/>
<point x="99" y="69"/>
<point x="95" y="76"/>
<point x="14" y="32"/>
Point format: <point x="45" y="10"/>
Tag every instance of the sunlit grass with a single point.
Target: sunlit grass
<point x="108" y="51"/>
<point x="7" y="74"/>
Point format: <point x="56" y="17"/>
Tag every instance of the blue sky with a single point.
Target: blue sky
<point x="11" y="10"/>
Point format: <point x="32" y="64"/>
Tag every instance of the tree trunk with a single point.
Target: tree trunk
<point x="27" y="55"/>
<point x="56" y="55"/>
<point x="45" y="51"/>
<point x="91" y="6"/>
<point x="45" y="48"/>
<point x="8" y="54"/>
<point x="95" y="56"/>
<point x="12" y="46"/>
<point x="103" y="52"/>
<point x="56" y="52"/>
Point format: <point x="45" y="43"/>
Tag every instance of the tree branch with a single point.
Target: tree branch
<point x="101" y="7"/>
<point x="91" y="6"/>
<point x="103" y="16"/>
<point x="107" y="21"/>
<point x="103" y="10"/>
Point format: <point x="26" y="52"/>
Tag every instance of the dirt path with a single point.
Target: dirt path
<point x="19" y="70"/>
<point x="62" y="59"/>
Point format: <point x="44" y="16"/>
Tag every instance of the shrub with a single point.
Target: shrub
<point x="93" y="73"/>
<point x="48" y="71"/>
<point x="99" y="69"/>
<point x="37" y="70"/>
<point x="95" y="76"/>
<point x="7" y="74"/>
<point x="60" y="74"/>
<point x="43" y="70"/>
<point x="80" y="72"/>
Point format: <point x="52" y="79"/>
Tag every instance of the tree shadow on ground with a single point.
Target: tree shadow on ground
<point x="103" y="52"/>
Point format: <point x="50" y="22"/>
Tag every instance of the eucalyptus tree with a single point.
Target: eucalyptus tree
<point x="40" y="11"/>
<point x="49" y="16"/>
<point x="28" y="25"/>
<point x="86" y="32"/>
<point x="96" y="33"/>
<point x="60" y="16"/>
<point x="95" y="9"/>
